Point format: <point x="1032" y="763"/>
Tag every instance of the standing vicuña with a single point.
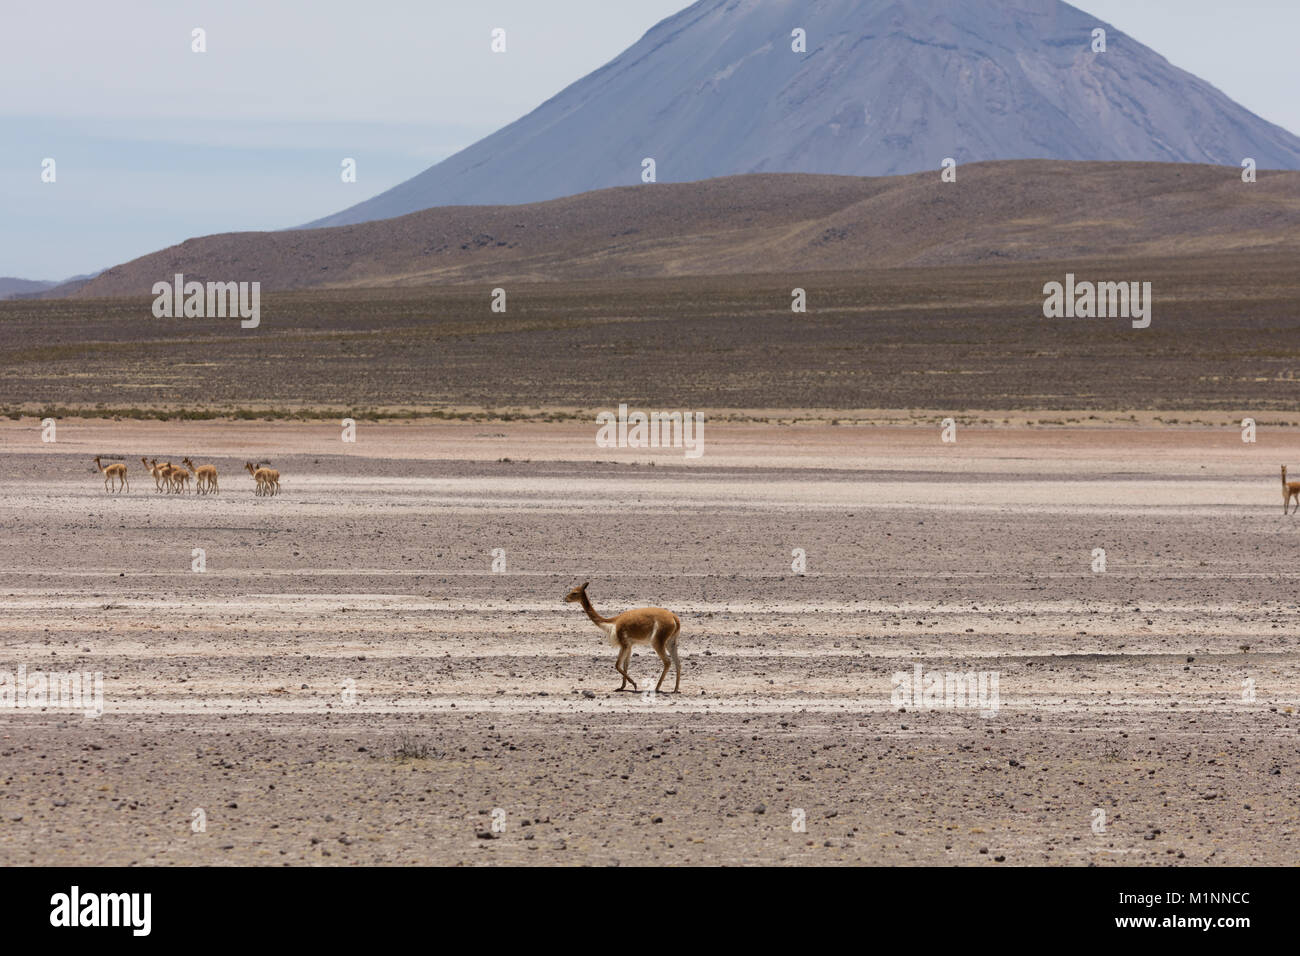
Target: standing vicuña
<point x="643" y="625"/>
<point x="205" y="477"/>
<point x="157" y="471"/>
<point x="172" y="477"/>
<point x="114" y="474"/>
<point x="268" y="479"/>
<point x="1289" y="491"/>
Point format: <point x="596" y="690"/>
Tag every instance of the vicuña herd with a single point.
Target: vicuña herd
<point x="175" y="479"/>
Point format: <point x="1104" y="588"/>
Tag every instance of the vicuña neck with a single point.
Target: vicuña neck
<point x="591" y="611"/>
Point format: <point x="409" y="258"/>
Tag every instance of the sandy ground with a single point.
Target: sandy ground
<point x="348" y="680"/>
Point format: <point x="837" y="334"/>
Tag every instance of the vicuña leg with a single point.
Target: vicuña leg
<point x="658" y="645"/>
<point x="618" y="665"/>
<point x="624" y="656"/>
<point x="677" y="663"/>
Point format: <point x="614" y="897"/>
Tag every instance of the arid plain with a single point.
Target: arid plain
<point x="350" y="681"/>
<point x="375" y="666"/>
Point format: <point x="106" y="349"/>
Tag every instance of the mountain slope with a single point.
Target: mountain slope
<point x="885" y="87"/>
<point x="995" y="212"/>
<point x="11" y="287"/>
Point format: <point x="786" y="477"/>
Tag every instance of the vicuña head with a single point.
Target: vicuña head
<point x="577" y="594"/>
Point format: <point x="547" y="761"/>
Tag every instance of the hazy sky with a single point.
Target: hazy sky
<point x="155" y="144"/>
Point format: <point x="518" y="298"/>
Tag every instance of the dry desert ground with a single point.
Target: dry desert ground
<point x="350" y="681"/>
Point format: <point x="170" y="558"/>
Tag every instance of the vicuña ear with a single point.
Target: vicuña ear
<point x="584" y="585"/>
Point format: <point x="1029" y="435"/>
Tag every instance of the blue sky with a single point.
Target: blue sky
<point x="155" y="144"/>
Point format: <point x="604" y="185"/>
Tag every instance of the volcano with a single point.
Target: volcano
<point x="874" y="88"/>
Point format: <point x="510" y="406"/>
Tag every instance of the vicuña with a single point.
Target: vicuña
<point x="643" y="625"/>
<point x="1290" y="490"/>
